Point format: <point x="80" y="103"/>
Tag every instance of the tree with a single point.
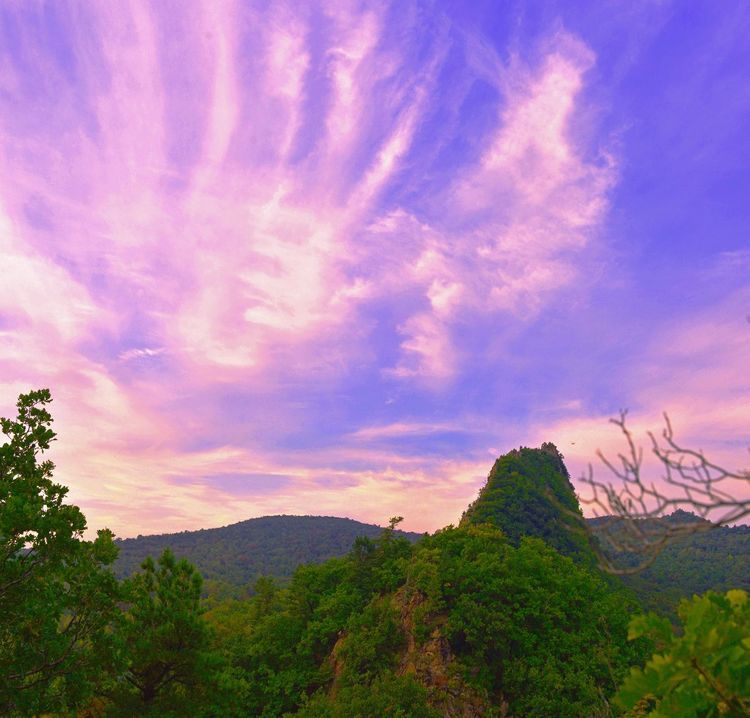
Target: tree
<point x="388" y="695"/>
<point x="164" y="641"/>
<point x="635" y="527"/>
<point x="527" y="626"/>
<point x="704" y="671"/>
<point x="57" y="595"/>
<point x="529" y="493"/>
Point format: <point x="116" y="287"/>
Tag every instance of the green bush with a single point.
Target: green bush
<point x="702" y="672"/>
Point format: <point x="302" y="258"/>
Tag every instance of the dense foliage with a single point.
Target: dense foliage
<point x="237" y="555"/>
<point x="528" y="627"/>
<point x="389" y="695"/>
<point x="463" y="613"/>
<point x="702" y="672"/>
<point x="57" y="595"/>
<point x="164" y="642"/>
<point x="717" y="560"/>
<point x="505" y="615"/>
<point x="529" y="493"/>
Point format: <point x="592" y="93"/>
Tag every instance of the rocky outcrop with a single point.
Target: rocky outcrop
<point x="432" y="663"/>
<point x="428" y="657"/>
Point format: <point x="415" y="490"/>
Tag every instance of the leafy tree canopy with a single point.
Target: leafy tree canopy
<point x="57" y="597"/>
<point x="165" y="643"/>
<point x="529" y="493"/>
<point x="702" y="672"/>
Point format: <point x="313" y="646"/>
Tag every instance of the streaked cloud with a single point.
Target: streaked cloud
<point x="358" y="248"/>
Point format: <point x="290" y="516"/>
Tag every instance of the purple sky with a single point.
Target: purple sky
<point x="332" y="258"/>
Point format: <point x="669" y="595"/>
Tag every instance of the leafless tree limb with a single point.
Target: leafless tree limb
<point x="634" y="524"/>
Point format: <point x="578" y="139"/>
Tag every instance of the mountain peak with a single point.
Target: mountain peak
<point x="680" y="516"/>
<point x="529" y="493"/>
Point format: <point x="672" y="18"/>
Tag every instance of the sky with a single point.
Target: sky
<point x="335" y="257"/>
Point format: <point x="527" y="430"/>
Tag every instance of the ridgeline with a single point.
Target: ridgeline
<point x="238" y="554"/>
<point x="528" y="493"/>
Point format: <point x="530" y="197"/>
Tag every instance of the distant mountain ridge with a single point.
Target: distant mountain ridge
<point x="267" y="546"/>
<point x="718" y="560"/>
<point x="450" y="624"/>
<point x="528" y="493"/>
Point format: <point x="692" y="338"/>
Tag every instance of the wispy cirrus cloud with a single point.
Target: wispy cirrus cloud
<point x="243" y="240"/>
<point x="695" y="372"/>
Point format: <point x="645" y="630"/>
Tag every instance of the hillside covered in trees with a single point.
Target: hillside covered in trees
<point x="515" y="499"/>
<point x="715" y="560"/>
<point x="237" y="555"/>
<point x="504" y="616"/>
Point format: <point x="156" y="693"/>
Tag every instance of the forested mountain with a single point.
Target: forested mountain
<point x="516" y="499"/>
<point x="461" y="624"/>
<point x="484" y="620"/>
<point x="716" y="560"/>
<point x="238" y="554"/>
<point x="529" y="493"/>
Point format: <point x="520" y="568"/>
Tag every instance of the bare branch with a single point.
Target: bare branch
<point x="635" y="523"/>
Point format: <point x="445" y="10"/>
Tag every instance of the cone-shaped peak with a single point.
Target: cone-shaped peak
<point x="529" y="493"/>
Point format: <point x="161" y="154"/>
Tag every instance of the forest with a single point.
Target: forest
<point x="234" y="557"/>
<point x="506" y="614"/>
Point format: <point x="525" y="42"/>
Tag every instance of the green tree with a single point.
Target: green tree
<point x="165" y="643"/>
<point x="57" y="596"/>
<point x="529" y="493"/>
<point x="289" y="634"/>
<point x="702" y="672"/>
<point x="525" y="626"/>
<point x="389" y="695"/>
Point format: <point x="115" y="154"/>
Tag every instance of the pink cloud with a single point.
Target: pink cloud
<point x="542" y="205"/>
<point x="254" y="255"/>
<point x="696" y="371"/>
